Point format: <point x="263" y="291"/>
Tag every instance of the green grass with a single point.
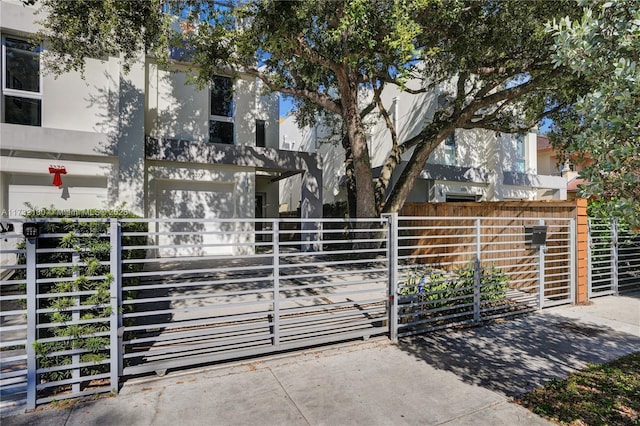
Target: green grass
<point x="602" y="394"/>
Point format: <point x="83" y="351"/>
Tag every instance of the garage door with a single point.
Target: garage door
<point x="69" y="196"/>
<point x="195" y="200"/>
<point x="38" y="192"/>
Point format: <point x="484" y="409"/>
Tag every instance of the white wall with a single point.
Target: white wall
<point x="175" y="110"/>
<point x="179" y="110"/>
<point x="96" y="127"/>
<point x="16" y="17"/>
<point x="320" y="140"/>
<point x="69" y="102"/>
<point x="480" y="149"/>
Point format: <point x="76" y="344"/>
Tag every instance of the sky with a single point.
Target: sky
<point x="286" y="105"/>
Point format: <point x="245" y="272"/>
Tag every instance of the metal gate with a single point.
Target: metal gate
<point x="614" y="258"/>
<point x="223" y="289"/>
<point x="89" y="301"/>
<point x="456" y="271"/>
<point x="99" y="299"/>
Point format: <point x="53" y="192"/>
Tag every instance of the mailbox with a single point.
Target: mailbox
<point x="31" y="230"/>
<point x="535" y="236"/>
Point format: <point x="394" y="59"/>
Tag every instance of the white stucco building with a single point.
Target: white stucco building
<point x="471" y="165"/>
<point x="144" y="138"/>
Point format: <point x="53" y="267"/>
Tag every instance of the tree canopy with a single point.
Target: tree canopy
<point x="603" y="131"/>
<point x="338" y="57"/>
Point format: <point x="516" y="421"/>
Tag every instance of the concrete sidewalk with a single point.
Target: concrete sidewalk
<point x="461" y="377"/>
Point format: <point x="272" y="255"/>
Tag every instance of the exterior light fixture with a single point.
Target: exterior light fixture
<point x="31" y="230"/>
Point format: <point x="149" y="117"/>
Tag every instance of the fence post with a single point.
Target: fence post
<point x="392" y="256"/>
<point x="276" y="282"/>
<point x="541" y="251"/>
<point x="32" y="321"/>
<point x="589" y="262"/>
<point x="477" y="272"/>
<point x="75" y="316"/>
<point x="582" y="252"/>
<point x="572" y="260"/>
<point x="614" y="257"/>
<point x="116" y="329"/>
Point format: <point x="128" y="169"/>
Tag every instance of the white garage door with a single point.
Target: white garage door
<point x="198" y="200"/>
<point x="65" y="198"/>
<point x="36" y="193"/>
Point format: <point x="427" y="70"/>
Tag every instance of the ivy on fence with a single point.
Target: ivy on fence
<point x="74" y="292"/>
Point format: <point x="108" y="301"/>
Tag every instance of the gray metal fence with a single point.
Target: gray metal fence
<point x="456" y="271"/>
<point x="61" y="326"/>
<point x="214" y="290"/>
<point x="13" y="318"/>
<point x="92" y="301"/>
<point x="614" y="258"/>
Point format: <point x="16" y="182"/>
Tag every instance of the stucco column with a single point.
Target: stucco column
<point x="311" y="205"/>
<point x="131" y="138"/>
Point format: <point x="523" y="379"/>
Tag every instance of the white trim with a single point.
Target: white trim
<point x="26" y="94"/>
<point x="222" y="118"/>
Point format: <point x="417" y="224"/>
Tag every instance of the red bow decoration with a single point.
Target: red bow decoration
<point x="57" y="170"/>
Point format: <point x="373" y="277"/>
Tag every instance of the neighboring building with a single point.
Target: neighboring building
<point x="478" y="165"/>
<point x="548" y="163"/>
<point x="145" y="138"/>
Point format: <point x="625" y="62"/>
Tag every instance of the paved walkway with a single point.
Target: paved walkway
<point x="463" y="377"/>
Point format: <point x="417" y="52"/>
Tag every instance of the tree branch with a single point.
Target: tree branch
<point x="319" y="99"/>
<point x="393" y="159"/>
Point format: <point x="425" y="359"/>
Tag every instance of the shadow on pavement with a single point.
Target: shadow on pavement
<point x="515" y="356"/>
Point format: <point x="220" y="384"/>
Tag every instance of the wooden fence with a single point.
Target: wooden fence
<point x="507" y="240"/>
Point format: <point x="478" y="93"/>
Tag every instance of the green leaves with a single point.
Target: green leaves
<point x="331" y="56"/>
<point x="602" y="47"/>
<point x="79" y="29"/>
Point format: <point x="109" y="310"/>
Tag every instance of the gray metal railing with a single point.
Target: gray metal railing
<point x="91" y="301"/>
<point x="614" y="258"/>
<point x="13" y="317"/>
<point x="228" y="289"/>
<point x="160" y="294"/>
<point x="458" y="271"/>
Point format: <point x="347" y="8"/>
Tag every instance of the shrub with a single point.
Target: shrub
<point x="433" y="288"/>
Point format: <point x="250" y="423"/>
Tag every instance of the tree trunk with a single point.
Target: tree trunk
<point x="350" y="179"/>
<point x="365" y="198"/>
<point x="411" y="172"/>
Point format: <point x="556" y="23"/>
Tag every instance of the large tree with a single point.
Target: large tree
<point x="338" y="57"/>
<point x="603" y="131"/>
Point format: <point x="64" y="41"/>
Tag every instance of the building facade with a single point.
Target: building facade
<point x="471" y="165"/>
<point x="144" y="139"/>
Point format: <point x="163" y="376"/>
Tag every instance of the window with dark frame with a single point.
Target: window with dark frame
<point x="450" y="149"/>
<point x="221" y="122"/>
<point x="21" y="85"/>
<point x="261" y="133"/>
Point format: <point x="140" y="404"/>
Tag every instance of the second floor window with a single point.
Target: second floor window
<point x="261" y="139"/>
<point x="519" y="165"/>
<point x="21" y="83"/>
<point x="221" y="125"/>
<point x="450" y="158"/>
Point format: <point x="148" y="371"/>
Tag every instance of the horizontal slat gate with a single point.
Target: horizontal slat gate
<point x="614" y="258"/>
<point x="217" y="290"/>
<point x="457" y="271"/>
<point x="13" y="312"/>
